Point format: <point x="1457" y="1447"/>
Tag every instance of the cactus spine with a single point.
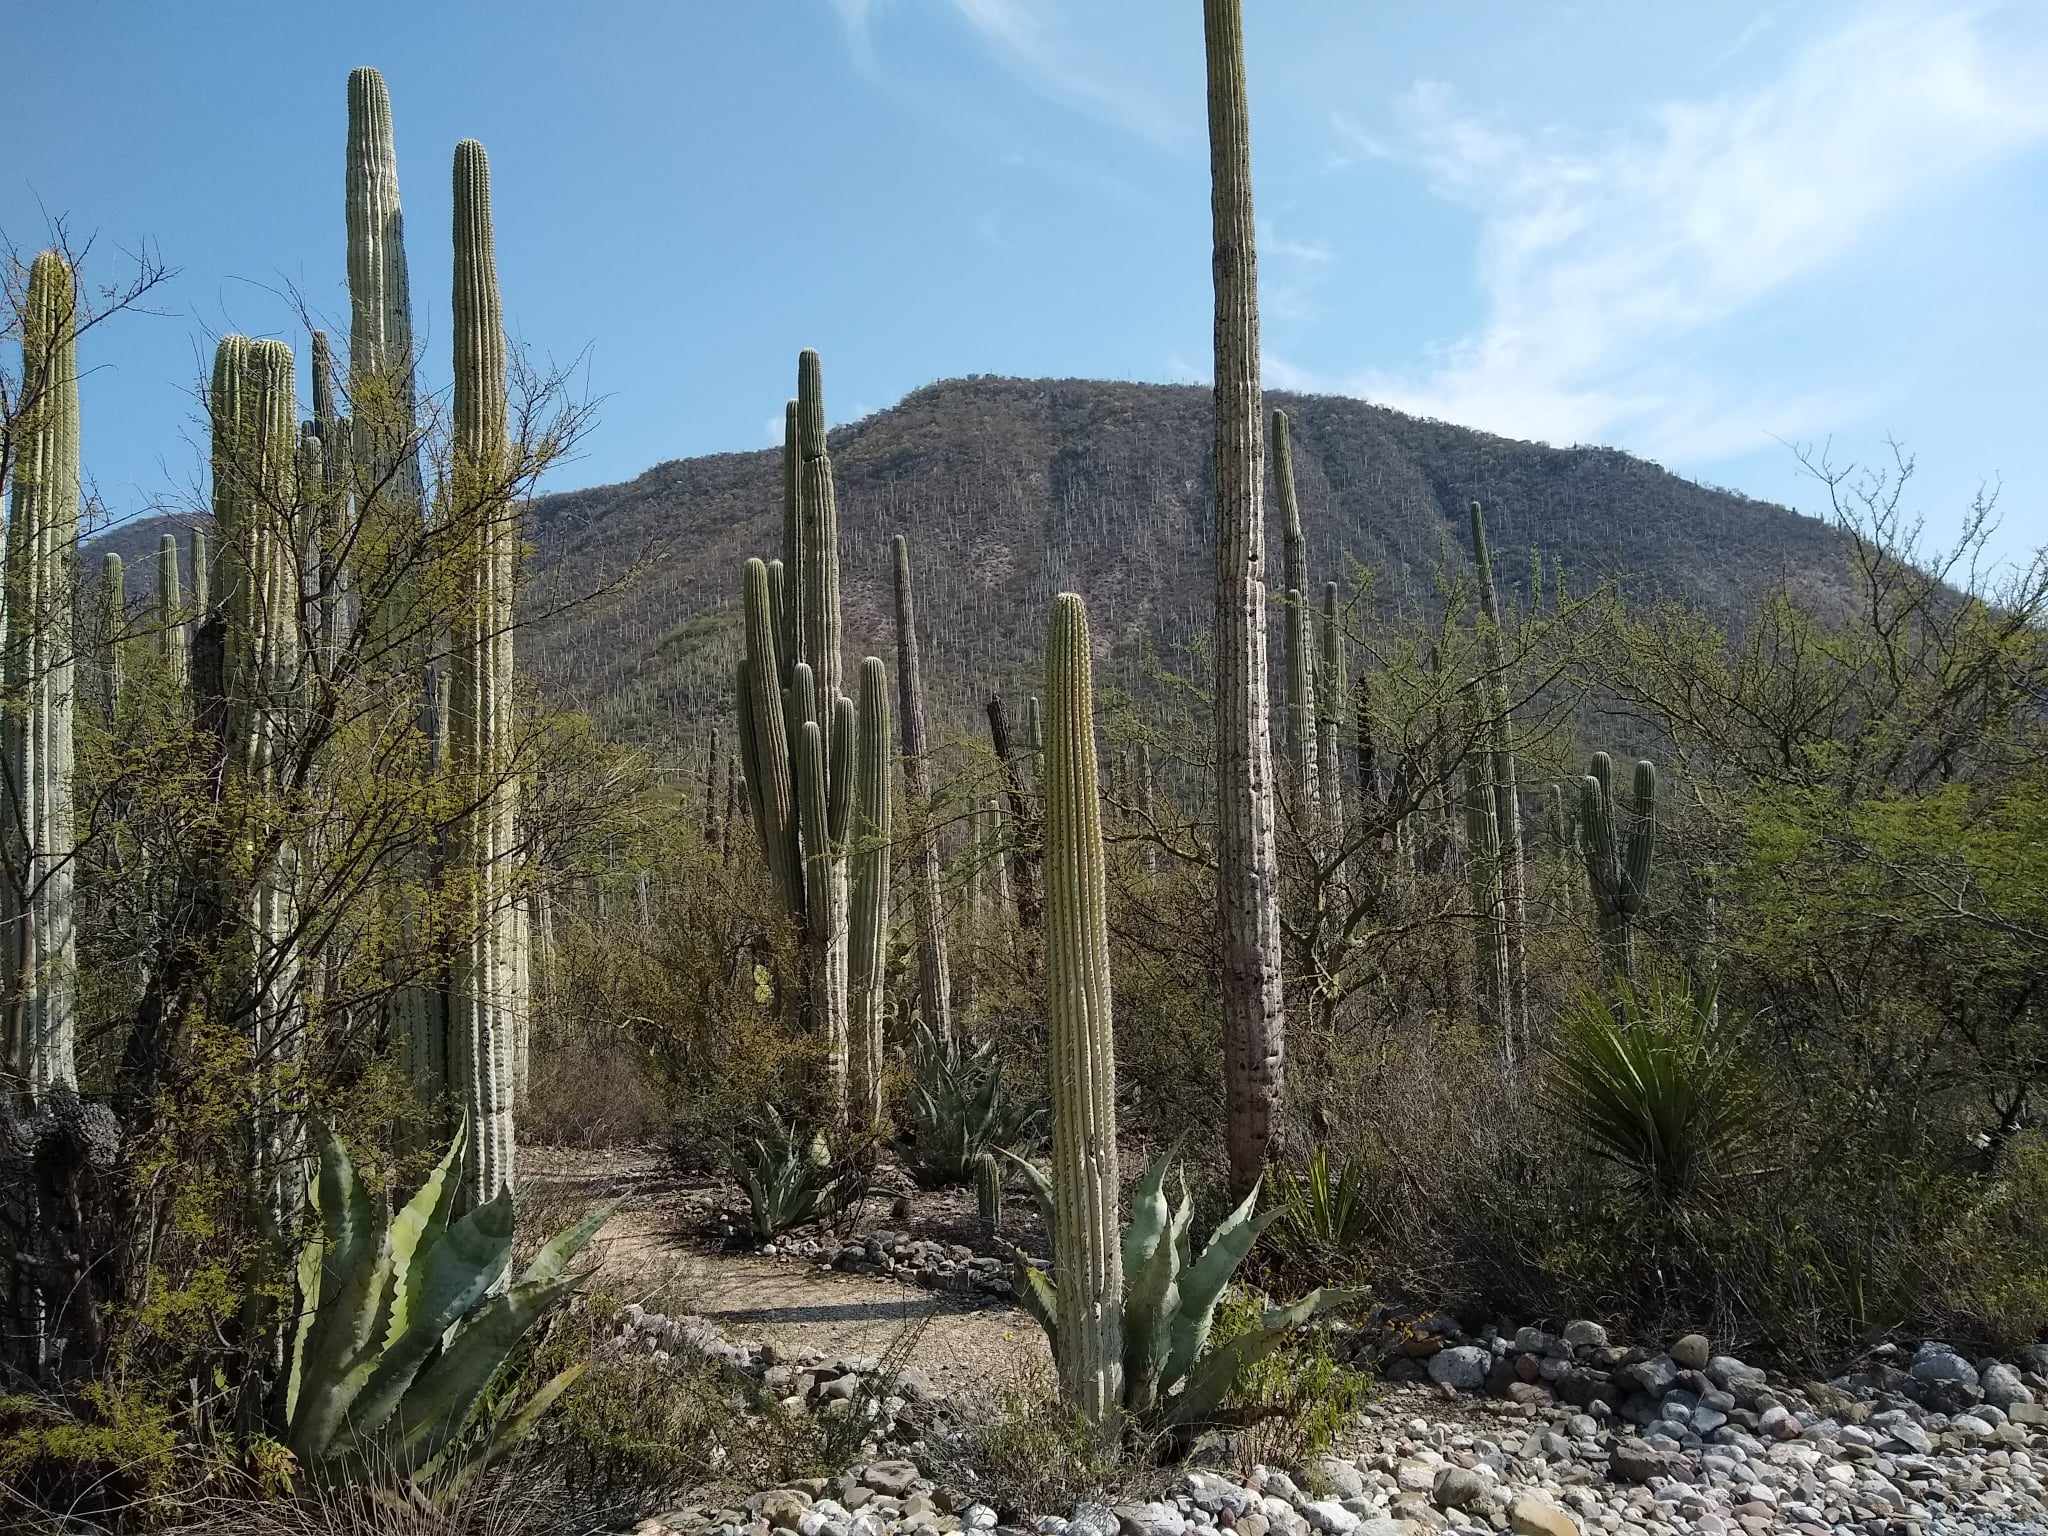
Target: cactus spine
<point x="869" y="861"/>
<point x="934" y="976"/>
<point x="1248" y="878"/>
<point x="486" y="1008"/>
<point x="1506" y="793"/>
<point x="1085" y="1177"/>
<point x="39" y="952"/>
<point x="1300" y="726"/>
<point x="1617" y="846"/>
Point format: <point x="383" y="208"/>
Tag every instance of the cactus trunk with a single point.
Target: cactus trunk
<point x="1489" y="910"/>
<point x="934" y="977"/>
<point x="485" y="1001"/>
<point x="38" y="953"/>
<point x="1299" y="732"/>
<point x="1506" y="793"/>
<point x="869" y="875"/>
<point x="1330" y="691"/>
<point x="1085" y="1177"/>
<point x="1248" y="879"/>
<point x="1618" y="846"/>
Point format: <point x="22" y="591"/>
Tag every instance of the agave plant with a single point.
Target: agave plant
<point x="786" y="1169"/>
<point x="1321" y="1218"/>
<point x="1650" y="1083"/>
<point x="1172" y="1380"/>
<point x="407" y="1321"/>
<point x="961" y="1109"/>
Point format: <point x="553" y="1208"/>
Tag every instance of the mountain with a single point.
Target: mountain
<point x="1013" y="489"/>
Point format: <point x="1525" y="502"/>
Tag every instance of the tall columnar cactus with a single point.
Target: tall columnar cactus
<point x="1034" y="741"/>
<point x="1330" y="691"/>
<point x="1489" y="911"/>
<point x="934" y="976"/>
<point x="1022" y="844"/>
<point x="330" y="526"/>
<point x="1085" y="1177"/>
<point x="173" y="636"/>
<point x="113" y="639"/>
<point x="38" y="942"/>
<point x="1507" y="796"/>
<point x="1248" y="877"/>
<point x="486" y="1006"/>
<point x="202" y="580"/>
<point x="868" y="861"/>
<point x="255" y="442"/>
<point x="1147" y="808"/>
<point x="1617" y="844"/>
<point x="1563" y="844"/>
<point x="384" y="430"/>
<point x="818" y="524"/>
<point x="1299" y="733"/>
<point x="790" y="626"/>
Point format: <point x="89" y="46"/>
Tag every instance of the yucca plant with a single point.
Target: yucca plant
<point x="787" y="1170"/>
<point x="1172" y="1380"/>
<point x="960" y="1108"/>
<point x="1648" y="1082"/>
<point x="1320" y="1218"/>
<point x="408" y="1321"/>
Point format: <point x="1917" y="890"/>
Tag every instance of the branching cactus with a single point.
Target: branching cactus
<point x="1617" y="845"/>
<point x="934" y="976"/>
<point x="38" y="944"/>
<point x="1506" y="790"/>
<point x="1089" y="1338"/>
<point x="869" y="876"/>
<point x="486" y="1008"/>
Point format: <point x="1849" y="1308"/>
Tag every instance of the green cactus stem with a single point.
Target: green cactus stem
<point x="934" y="975"/>
<point x="824" y="890"/>
<point x="1248" y="866"/>
<point x="1023" y="841"/>
<point x="1617" y="845"/>
<point x="818" y="526"/>
<point x="1489" y="920"/>
<point x="1506" y="791"/>
<point x="1298" y="734"/>
<point x="869" y="878"/>
<point x="1085" y="1176"/>
<point x="1329" y="693"/>
<point x="173" y="637"/>
<point x="989" y="1178"/>
<point x="38" y="937"/>
<point x="113" y="639"/>
<point x="790" y="631"/>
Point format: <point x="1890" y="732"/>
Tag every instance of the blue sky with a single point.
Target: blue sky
<point x="1689" y="232"/>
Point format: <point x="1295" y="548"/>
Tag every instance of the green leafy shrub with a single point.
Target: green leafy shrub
<point x="111" y="1450"/>
<point x="1297" y="1399"/>
<point x="1323" y="1221"/>
<point x="961" y="1108"/>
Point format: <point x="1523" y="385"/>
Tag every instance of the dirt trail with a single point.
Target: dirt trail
<point x="654" y="1252"/>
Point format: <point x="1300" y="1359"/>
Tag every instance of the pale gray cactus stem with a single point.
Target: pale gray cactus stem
<point x="1489" y="911"/>
<point x="869" y="878"/>
<point x="381" y="357"/>
<point x="113" y="637"/>
<point x="823" y="889"/>
<point x="818" y="527"/>
<point x="1082" y="1054"/>
<point x="934" y="975"/>
<point x="1248" y="875"/>
<point x="173" y="637"/>
<point x="38" y="937"/>
<point x="1147" y="808"/>
<point x="1330" y="692"/>
<point x="330" y="528"/>
<point x="1507" y="796"/>
<point x="486" y="1002"/>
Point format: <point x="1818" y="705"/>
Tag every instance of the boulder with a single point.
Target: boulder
<point x="2002" y="1385"/>
<point x="1459" y="1488"/>
<point x="1652" y="1377"/>
<point x="1533" y="1516"/>
<point x="1635" y="1462"/>
<point x="1585" y="1335"/>
<point x="1462" y="1368"/>
<point x="1937" y="1364"/>
<point x="1693" y="1352"/>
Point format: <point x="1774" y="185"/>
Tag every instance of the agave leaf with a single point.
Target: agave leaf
<point x="1039" y="1296"/>
<point x="438" y="1407"/>
<point x="1223" y="1368"/>
<point x="415" y="1228"/>
<point x="560" y="1250"/>
<point x="456" y="1272"/>
<point x="1152" y="1297"/>
<point x="1040" y="1184"/>
<point x="1201" y="1286"/>
<point x="354" y="1271"/>
<point x="505" y="1437"/>
<point x="309" y="1303"/>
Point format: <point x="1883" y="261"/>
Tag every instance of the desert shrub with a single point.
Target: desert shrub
<point x="1033" y="1452"/>
<point x="1323" y="1220"/>
<point x="108" y="1452"/>
<point x="1293" y="1402"/>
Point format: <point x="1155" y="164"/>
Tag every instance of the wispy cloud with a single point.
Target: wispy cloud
<point x="1599" y="259"/>
<point x="1028" y="37"/>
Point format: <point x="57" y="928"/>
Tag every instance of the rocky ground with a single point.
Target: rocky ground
<point x="1530" y="1432"/>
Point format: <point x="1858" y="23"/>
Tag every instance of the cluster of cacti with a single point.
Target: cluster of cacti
<point x="1617" y="843"/>
<point x="809" y="756"/>
<point x="38" y="945"/>
<point x="1509" y="1003"/>
<point x="1248" y="877"/>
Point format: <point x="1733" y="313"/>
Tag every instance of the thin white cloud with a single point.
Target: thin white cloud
<point x="1027" y="36"/>
<point x="1599" y="260"/>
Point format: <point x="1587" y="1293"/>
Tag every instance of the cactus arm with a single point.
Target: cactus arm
<point x="765" y="742"/>
<point x="790" y="633"/>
